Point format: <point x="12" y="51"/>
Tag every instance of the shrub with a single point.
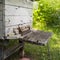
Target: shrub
<point x="47" y="16"/>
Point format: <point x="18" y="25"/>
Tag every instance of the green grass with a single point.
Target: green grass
<point x="40" y="52"/>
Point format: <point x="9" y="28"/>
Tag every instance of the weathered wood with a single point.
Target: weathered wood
<point x="0" y="53"/>
<point x="14" y="13"/>
<point x="0" y="17"/>
<point x="7" y="50"/>
<point x="38" y="37"/>
<point x="21" y="51"/>
<point x="23" y="3"/>
<point x="1" y="7"/>
<point x="12" y="50"/>
<point x="1" y="29"/>
<point x="0" y="13"/>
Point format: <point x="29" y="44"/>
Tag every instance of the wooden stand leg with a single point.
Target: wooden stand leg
<point x="21" y="51"/>
<point x="2" y="54"/>
<point x="2" y="50"/>
<point x="49" y="57"/>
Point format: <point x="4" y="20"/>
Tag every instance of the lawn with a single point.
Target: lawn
<point x="40" y="52"/>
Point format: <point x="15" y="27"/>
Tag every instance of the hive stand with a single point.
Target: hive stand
<point x="5" y="53"/>
<point x="35" y="37"/>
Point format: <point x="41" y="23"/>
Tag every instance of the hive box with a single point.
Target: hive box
<point x="15" y="15"/>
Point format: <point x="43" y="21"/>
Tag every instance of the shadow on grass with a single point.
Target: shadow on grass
<point x="40" y="52"/>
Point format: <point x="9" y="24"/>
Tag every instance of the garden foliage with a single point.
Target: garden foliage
<point x="47" y="15"/>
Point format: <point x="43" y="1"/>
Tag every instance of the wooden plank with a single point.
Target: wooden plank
<point x="1" y="6"/>
<point x="38" y="37"/>
<point x="10" y="10"/>
<point x="0" y="13"/>
<point x="16" y="20"/>
<point x="1" y="29"/>
<point x="19" y="16"/>
<point x="30" y="12"/>
<point x="22" y="11"/>
<point x="12" y="50"/>
<point x="13" y="2"/>
<point x="9" y="51"/>
<point x="0" y="17"/>
<point x="0" y="53"/>
<point x="10" y="22"/>
<point x="22" y="3"/>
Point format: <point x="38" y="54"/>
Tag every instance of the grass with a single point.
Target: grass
<point x="41" y="53"/>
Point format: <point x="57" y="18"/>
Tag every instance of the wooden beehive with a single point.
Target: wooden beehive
<point x="15" y="15"/>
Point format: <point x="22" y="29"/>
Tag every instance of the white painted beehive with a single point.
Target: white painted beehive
<point x="14" y="14"/>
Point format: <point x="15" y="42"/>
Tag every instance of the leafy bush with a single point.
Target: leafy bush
<point x="47" y="16"/>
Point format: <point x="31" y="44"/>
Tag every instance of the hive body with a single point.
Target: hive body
<point x="15" y="15"/>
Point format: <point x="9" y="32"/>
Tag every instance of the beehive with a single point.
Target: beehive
<point x="15" y="15"/>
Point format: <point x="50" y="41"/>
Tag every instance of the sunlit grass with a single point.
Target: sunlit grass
<point x="40" y="52"/>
